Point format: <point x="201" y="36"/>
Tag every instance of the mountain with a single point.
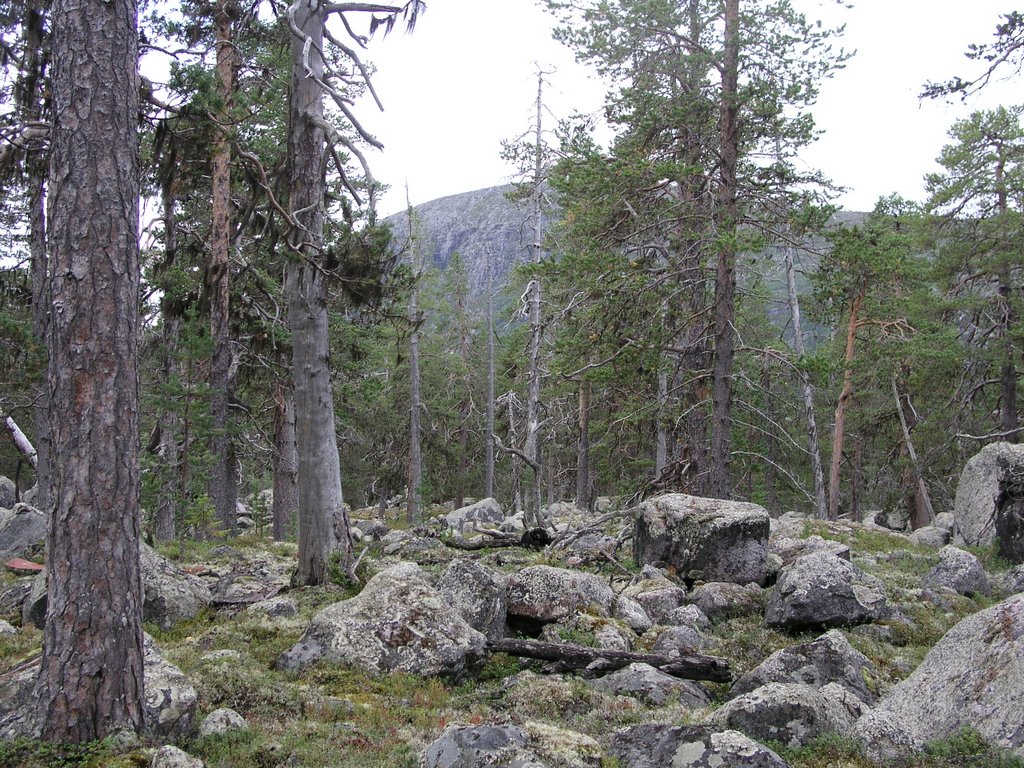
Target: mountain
<point x="485" y="223"/>
<point x="478" y="225"/>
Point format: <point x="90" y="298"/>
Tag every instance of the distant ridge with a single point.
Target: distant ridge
<point x="475" y="224"/>
<point x="485" y="223"/>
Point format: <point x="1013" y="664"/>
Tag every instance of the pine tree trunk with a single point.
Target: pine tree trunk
<point x="223" y="475"/>
<point x="489" y="459"/>
<point x="532" y="443"/>
<point x="1009" y="421"/>
<point x="41" y="302"/>
<point x="583" y="484"/>
<point x="844" y="402"/>
<point x="286" y="465"/>
<point x="725" y="276"/>
<point x="661" y="451"/>
<point x="813" y="447"/>
<point x="920" y="502"/>
<point x="320" y="494"/>
<point x="171" y="493"/>
<point x="91" y="675"/>
<point x="413" y="502"/>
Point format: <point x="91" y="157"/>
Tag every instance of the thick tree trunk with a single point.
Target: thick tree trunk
<point x="91" y="676"/>
<point x="320" y="495"/>
<point x="223" y="483"/>
<point x="843" y="405"/>
<point x="813" y="447"/>
<point x="286" y="465"/>
<point x="725" y="277"/>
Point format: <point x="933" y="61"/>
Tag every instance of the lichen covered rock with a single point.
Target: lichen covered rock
<point x="398" y="622"/>
<point x="703" y="539"/>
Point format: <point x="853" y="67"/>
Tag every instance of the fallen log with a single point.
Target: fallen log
<point x="581" y="658"/>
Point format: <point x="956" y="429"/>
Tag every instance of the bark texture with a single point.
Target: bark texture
<point x="839" y="430"/>
<point x="91" y="676"/>
<point x="725" y="276"/>
<point x="223" y="476"/>
<point x="286" y="465"/>
<point x="320" y="495"/>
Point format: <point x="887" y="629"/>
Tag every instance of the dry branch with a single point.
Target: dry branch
<point x="576" y="657"/>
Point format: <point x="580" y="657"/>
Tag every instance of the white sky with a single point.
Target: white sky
<point x="466" y="79"/>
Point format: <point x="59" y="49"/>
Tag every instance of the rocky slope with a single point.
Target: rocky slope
<point x="846" y="644"/>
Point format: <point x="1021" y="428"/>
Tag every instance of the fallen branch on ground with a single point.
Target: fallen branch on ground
<point x="592" y="660"/>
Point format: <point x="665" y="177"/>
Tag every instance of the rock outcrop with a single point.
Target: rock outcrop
<point x="972" y="677"/>
<point x="542" y="594"/>
<point x="827" y="659"/>
<point x="703" y="539"/>
<point x="657" y="745"/>
<point x="22" y="532"/>
<point x="399" y="622"/>
<point x="821" y="590"/>
<point x="982" y="508"/>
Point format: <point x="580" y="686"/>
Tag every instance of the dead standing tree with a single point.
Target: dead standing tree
<point x="322" y="65"/>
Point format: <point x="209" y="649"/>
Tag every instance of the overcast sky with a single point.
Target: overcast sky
<point x="466" y="79"/>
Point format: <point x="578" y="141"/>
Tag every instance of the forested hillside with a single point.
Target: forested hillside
<point x="209" y="336"/>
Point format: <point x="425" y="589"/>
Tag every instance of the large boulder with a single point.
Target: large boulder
<point x="703" y="539"/>
<point x="972" y="677"/>
<point x="790" y="713"/>
<point x="222" y="721"/>
<point x="653" y="686"/>
<point x="477" y="593"/>
<point x="542" y="594"/>
<point x="934" y="536"/>
<point x="8" y="492"/>
<point x="884" y="738"/>
<point x="484" y="512"/>
<point x="827" y="659"/>
<point x="821" y="590"/>
<point x="475" y="746"/>
<point x="169" y="594"/>
<point x="656" y="745"/>
<point x="984" y="508"/>
<point x="720" y="600"/>
<point x="22" y="532"/>
<point x="534" y="745"/>
<point x="171" y="700"/>
<point x="960" y="571"/>
<point x="790" y="548"/>
<point x="658" y="598"/>
<point x="399" y="622"/>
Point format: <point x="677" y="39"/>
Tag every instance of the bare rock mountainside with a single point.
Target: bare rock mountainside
<point x="477" y="225"/>
<point x="486" y="225"/>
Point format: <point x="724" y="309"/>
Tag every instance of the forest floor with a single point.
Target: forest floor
<point x="336" y="716"/>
